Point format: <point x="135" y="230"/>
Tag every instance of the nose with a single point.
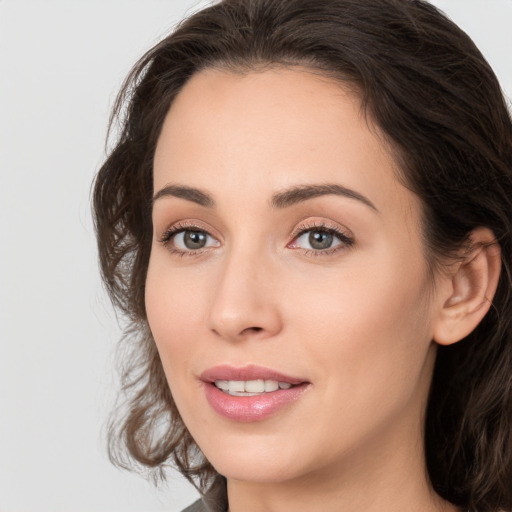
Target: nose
<point x="244" y="303"/>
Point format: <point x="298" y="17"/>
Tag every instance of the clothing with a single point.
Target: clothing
<point x="214" y="500"/>
<point x="201" y="506"/>
<point x="197" y="506"/>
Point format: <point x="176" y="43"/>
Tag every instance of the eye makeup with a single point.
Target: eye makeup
<point x="312" y="239"/>
<point x="327" y="232"/>
<point x="193" y="234"/>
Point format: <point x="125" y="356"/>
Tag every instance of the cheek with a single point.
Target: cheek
<point x="367" y="340"/>
<point x="368" y="326"/>
<point x="174" y="311"/>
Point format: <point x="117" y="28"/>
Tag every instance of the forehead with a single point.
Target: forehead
<point x="267" y="130"/>
<point x="280" y="104"/>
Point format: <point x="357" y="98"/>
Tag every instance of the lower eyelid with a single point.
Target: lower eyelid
<point x="322" y="252"/>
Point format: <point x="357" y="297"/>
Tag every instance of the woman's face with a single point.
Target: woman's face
<point x="287" y="255"/>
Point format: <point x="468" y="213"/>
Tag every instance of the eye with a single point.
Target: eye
<point x="191" y="240"/>
<point x="318" y="240"/>
<point x="321" y="239"/>
<point x="187" y="240"/>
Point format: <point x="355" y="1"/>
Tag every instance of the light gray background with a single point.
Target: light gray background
<point x="61" y="63"/>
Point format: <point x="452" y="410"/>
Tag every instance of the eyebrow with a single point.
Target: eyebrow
<point x="279" y="200"/>
<point x="301" y="193"/>
<point x="189" y="193"/>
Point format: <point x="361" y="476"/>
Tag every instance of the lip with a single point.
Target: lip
<point x="250" y="372"/>
<point x="250" y="408"/>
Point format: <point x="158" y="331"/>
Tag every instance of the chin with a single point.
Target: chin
<point x="262" y="459"/>
<point x="269" y="471"/>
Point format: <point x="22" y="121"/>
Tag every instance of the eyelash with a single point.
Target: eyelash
<point x="175" y="230"/>
<point x="346" y="241"/>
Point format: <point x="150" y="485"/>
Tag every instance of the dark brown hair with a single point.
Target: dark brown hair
<point x="426" y="86"/>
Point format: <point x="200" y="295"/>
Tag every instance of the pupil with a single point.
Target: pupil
<point x="320" y="239"/>
<point x="194" y="239"/>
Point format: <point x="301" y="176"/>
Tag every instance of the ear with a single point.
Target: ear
<point x="470" y="288"/>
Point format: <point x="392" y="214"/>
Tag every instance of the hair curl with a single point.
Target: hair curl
<point x="430" y="91"/>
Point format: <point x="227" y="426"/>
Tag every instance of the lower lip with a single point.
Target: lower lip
<point x="251" y="408"/>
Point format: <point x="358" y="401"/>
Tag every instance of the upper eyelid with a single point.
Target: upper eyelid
<point x="322" y="224"/>
<point x="179" y="226"/>
<point x="345" y="238"/>
<point x="302" y="227"/>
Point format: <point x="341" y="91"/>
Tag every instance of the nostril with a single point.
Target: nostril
<point x="254" y="329"/>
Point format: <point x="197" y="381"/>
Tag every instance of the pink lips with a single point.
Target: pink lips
<point x="249" y="408"/>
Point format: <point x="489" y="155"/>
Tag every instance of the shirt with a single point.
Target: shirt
<point x="214" y="499"/>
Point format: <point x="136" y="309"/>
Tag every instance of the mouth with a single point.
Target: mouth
<point x="248" y="379"/>
<point x="251" y="393"/>
<point x="250" y="387"/>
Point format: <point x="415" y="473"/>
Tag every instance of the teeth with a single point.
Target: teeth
<point x="255" y="386"/>
<point x="250" y="387"/>
<point x="271" y="385"/>
<point x="222" y="384"/>
<point x="236" y="386"/>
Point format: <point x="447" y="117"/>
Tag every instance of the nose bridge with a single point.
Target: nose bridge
<point x="244" y="299"/>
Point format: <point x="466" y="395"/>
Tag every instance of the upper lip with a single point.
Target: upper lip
<point x="249" y="372"/>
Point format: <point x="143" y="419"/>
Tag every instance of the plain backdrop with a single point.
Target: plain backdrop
<point x="61" y="64"/>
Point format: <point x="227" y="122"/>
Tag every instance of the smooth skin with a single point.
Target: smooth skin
<point x="245" y="281"/>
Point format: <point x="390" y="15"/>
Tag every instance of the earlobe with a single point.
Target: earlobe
<point x="472" y="285"/>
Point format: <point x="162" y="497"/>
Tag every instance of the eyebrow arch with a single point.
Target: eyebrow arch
<point x="301" y="193"/>
<point x="279" y="200"/>
<point x="189" y="193"/>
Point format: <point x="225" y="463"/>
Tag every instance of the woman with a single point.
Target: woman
<point x="307" y="221"/>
